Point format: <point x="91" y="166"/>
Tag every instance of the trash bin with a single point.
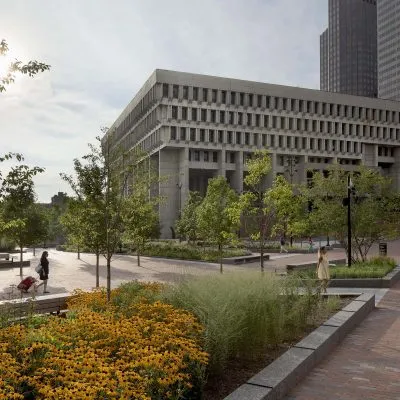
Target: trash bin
<point x="383" y="249"/>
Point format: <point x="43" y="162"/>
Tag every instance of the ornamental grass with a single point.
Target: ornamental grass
<point x="149" y="351"/>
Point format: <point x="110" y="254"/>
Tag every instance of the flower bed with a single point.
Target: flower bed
<point x="158" y="342"/>
<point x="149" y="351"/>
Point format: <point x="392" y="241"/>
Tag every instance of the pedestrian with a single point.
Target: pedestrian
<point x="323" y="268"/>
<point x="44" y="272"/>
<point x="310" y="245"/>
<point x="283" y="245"/>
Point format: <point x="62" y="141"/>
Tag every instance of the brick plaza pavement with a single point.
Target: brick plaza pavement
<point x="366" y="365"/>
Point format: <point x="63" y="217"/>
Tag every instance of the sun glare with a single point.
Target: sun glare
<point x="5" y="62"/>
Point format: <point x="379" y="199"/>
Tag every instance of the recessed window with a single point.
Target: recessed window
<point x="183" y="133"/>
<point x="175" y="91"/>
<point x="196" y="155"/>
<point x="173" y="132"/>
<point x="215" y="156"/>
<point x="206" y="156"/>
<point x="202" y="135"/>
<point x="211" y="136"/>
<point x="174" y="112"/>
<point x="185" y="92"/>
<point x="196" y="93"/>
<point x="193" y="134"/>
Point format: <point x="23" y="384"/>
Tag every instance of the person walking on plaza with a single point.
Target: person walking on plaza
<point x="283" y="245"/>
<point x="44" y="272"/>
<point x="323" y="269"/>
<point x="310" y="245"/>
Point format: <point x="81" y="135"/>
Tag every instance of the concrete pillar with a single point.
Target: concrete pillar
<point x="237" y="182"/>
<point x="169" y="191"/>
<point x="183" y="175"/>
<point x="222" y="163"/>
<point x="395" y="169"/>
<point x="370" y="155"/>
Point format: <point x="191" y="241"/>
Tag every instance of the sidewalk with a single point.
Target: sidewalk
<point x="366" y="365"/>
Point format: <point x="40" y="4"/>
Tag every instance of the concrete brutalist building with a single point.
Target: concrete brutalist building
<point x="389" y="49"/>
<point x="348" y="48"/>
<point x="196" y="127"/>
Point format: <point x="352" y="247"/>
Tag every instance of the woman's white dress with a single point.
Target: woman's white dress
<point x="323" y="268"/>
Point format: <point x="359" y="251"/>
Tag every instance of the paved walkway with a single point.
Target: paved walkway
<point x="366" y="365"/>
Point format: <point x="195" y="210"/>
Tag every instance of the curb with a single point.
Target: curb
<point x="282" y="375"/>
<point x="386" y="282"/>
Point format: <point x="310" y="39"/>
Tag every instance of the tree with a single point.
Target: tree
<point x="140" y="219"/>
<point x="371" y="214"/>
<point x="73" y="221"/>
<point x="100" y="184"/>
<point x="287" y="207"/>
<point x="217" y="216"/>
<point x="252" y="201"/>
<point x="186" y="226"/>
<point x="18" y="213"/>
<point x="31" y="68"/>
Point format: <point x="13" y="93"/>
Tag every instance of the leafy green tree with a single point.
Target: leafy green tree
<point x="252" y="201"/>
<point x="141" y="221"/>
<point x="371" y="214"/>
<point x="287" y="206"/>
<point x="73" y="221"/>
<point x="17" y="197"/>
<point x="100" y="184"/>
<point x="18" y="67"/>
<point x="186" y="226"/>
<point x="217" y="216"/>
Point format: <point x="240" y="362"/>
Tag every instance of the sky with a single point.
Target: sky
<point x="102" y="51"/>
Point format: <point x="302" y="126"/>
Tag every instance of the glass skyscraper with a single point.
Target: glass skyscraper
<point x="348" y="48"/>
<point x="389" y="49"/>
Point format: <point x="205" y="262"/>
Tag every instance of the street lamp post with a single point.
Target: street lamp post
<point x="349" y="190"/>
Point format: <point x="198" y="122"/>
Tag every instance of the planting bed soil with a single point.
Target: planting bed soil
<point x="240" y="371"/>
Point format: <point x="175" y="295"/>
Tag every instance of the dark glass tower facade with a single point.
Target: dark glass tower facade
<point x="389" y="49"/>
<point x="348" y="48"/>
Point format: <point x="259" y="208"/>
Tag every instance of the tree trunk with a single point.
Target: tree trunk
<point x="79" y="253"/>
<point x="220" y="259"/>
<point x="97" y="269"/>
<point x="138" y="258"/>
<point x="20" y="260"/>
<point x="34" y="251"/>
<point x="262" y="255"/>
<point x="108" y="277"/>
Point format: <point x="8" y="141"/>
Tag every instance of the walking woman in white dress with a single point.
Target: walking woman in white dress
<point x="323" y="268"/>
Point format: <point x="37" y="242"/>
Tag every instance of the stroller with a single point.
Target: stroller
<point x="26" y="283"/>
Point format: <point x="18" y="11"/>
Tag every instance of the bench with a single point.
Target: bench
<point x="311" y="264"/>
<point x="6" y="256"/>
<point x="39" y="305"/>
<point x="244" y="259"/>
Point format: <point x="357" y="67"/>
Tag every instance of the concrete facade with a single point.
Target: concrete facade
<point x="389" y="49"/>
<point x="348" y="48"/>
<point x="196" y="127"/>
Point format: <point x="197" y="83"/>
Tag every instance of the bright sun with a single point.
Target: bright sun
<point x="5" y="62"/>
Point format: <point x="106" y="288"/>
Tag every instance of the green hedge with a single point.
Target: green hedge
<point x="189" y="252"/>
<point x="376" y="267"/>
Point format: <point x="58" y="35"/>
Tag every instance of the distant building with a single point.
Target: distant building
<point x="389" y="49"/>
<point x="348" y="48"/>
<point x="196" y="127"/>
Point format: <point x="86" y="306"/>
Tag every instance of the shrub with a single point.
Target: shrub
<point x="188" y="252"/>
<point x="244" y="313"/>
